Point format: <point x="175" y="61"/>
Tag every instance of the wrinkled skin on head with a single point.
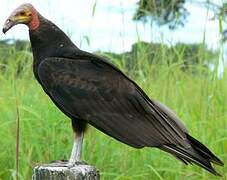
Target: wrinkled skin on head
<point x="24" y="14"/>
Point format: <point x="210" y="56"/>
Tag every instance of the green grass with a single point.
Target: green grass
<point x="200" y="100"/>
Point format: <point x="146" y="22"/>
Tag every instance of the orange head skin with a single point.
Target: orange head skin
<point x="24" y="14"/>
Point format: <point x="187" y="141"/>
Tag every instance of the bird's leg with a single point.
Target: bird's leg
<point x="79" y="127"/>
<point x="77" y="148"/>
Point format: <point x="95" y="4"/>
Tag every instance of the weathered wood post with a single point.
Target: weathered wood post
<point x="59" y="171"/>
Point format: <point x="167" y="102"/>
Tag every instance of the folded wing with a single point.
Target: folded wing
<point x="98" y="93"/>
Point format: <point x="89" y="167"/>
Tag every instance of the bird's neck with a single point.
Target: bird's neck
<point x="49" y="41"/>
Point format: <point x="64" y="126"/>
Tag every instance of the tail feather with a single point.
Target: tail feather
<point x="204" y="151"/>
<point x="197" y="153"/>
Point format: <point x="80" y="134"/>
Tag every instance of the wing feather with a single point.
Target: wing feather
<point x="97" y="93"/>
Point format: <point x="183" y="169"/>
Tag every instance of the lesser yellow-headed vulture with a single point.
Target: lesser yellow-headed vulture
<point x="89" y="89"/>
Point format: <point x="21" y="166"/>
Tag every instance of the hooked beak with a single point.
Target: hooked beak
<point x="8" y="25"/>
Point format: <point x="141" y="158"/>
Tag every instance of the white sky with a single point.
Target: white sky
<point x="111" y="28"/>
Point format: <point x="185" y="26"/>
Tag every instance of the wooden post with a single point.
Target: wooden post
<point x="59" y="171"/>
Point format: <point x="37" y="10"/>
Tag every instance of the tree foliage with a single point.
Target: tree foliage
<point x="163" y="12"/>
<point x="174" y="13"/>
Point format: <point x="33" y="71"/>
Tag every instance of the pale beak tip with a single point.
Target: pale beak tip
<point x="8" y="25"/>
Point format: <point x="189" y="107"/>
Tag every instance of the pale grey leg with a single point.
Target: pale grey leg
<point x="77" y="148"/>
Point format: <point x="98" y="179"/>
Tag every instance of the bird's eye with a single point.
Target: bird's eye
<point x="22" y="13"/>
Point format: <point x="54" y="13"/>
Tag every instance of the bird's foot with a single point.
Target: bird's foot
<point x="65" y="163"/>
<point x="76" y="163"/>
<point x="70" y="165"/>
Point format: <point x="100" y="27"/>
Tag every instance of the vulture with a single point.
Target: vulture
<point x="90" y="90"/>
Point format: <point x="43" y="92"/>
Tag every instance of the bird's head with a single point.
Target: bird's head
<point x="24" y="14"/>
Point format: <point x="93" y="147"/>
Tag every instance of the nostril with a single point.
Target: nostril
<point x="8" y="21"/>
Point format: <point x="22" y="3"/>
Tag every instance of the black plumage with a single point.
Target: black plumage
<point x="89" y="89"/>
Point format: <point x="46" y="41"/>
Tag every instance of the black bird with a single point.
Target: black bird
<point x="89" y="89"/>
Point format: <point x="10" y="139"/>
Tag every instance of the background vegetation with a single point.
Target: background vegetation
<point x="182" y="76"/>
